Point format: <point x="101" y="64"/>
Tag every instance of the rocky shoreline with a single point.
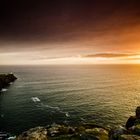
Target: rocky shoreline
<point x="6" y="79"/>
<point x="131" y="131"/>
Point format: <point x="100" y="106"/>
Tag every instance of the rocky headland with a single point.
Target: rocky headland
<point x="131" y="131"/>
<point x="6" y="79"/>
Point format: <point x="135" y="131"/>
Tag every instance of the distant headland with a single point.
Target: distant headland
<point x="6" y="79"/>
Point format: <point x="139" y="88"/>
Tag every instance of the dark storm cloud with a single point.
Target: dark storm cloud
<point x="65" y="20"/>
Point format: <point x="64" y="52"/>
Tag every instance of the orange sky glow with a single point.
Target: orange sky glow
<point x="70" y="32"/>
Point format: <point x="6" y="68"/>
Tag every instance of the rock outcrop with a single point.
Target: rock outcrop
<point x="131" y="131"/>
<point x="62" y="132"/>
<point x="38" y="133"/>
<point x="6" y="79"/>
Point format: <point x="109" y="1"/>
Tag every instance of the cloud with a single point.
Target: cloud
<point x="66" y="21"/>
<point x="132" y="58"/>
<point x="109" y="55"/>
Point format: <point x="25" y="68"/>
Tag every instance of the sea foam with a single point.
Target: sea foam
<point x="35" y="99"/>
<point x="67" y="114"/>
<point x="50" y="107"/>
<point x="55" y="108"/>
<point x="4" y="89"/>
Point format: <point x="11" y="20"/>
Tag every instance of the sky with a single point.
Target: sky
<point x="69" y="32"/>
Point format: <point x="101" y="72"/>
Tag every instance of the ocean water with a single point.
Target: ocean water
<point x="42" y="95"/>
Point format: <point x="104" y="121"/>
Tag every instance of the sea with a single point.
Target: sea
<point x="69" y="94"/>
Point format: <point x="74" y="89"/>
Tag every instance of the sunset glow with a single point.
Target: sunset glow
<point x="35" y="58"/>
<point x="82" y="32"/>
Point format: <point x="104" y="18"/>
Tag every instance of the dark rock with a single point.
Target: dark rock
<point x="136" y="130"/>
<point x="6" y="79"/>
<point x="130" y="122"/>
<point x="133" y="120"/>
<point x="115" y="133"/>
<point x="137" y="121"/>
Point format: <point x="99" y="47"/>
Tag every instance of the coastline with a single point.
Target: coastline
<point x="131" y="131"/>
<point x="86" y="131"/>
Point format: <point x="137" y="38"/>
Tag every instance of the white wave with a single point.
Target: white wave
<point x="82" y="119"/>
<point x="35" y="99"/>
<point x="54" y="108"/>
<point x="67" y="114"/>
<point x="50" y="107"/>
<point x="12" y="138"/>
<point x="4" y="89"/>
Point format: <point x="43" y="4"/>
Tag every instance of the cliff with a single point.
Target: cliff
<point x="6" y="79"/>
<point x="131" y="131"/>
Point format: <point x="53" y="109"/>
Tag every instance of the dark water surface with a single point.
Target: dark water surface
<point x="43" y="95"/>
